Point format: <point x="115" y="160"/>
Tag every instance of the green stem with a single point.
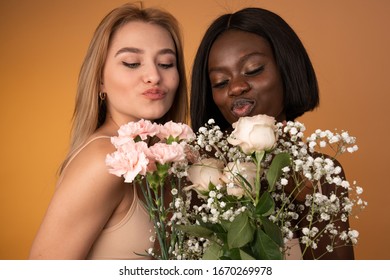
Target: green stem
<point x="258" y="159"/>
<point x="153" y="213"/>
<point x="175" y="234"/>
<point x="160" y="213"/>
<point x="310" y="224"/>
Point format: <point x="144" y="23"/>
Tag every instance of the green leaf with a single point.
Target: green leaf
<point x="217" y="228"/>
<point x="226" y="225"/>
<point x="196" y="230"/>
<point x="213" y="252"/>
<point x="266" y="205"/>
<point x="245" y="256"/>
<point x="264" y="248"/>
<point x="231" y="201"/>
<point x="231" y="254"/>
<point x="240" y="231"/>
<point x="278" y="163"/>
<point x="272" y="230"/>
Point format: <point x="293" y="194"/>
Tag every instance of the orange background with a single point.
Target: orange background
<point x="41" y="49"/>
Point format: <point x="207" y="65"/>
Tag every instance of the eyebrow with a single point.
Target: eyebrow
<point x="140" y="51"/>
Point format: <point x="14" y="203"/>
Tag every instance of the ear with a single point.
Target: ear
<point x="102" y="87"/>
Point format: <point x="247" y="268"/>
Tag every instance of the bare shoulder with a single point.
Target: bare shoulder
<point x="93" y="153"/>
<point x="84" y="201"/>
<point x="88" y="167"/>
<point x="87" y="179"/>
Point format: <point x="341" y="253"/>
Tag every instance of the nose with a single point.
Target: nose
<point x="238" y="86"/>
<point x="152" y="75"/>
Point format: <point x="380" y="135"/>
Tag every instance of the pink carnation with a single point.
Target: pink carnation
<point x="176" y="130"/>
<point x="164" y="153"/>
<point x="142" y="128"/>
<point x="119" y="141"/>
<point x="128" y="161"/>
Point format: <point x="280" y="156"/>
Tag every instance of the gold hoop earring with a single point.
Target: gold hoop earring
<point x="102" y="95"/>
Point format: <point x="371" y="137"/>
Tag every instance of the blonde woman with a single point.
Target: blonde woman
<point x="133" y="69"/>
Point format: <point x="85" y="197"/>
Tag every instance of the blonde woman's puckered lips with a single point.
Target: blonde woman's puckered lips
<point x="154" y="94"/>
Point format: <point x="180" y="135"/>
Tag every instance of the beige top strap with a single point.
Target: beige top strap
<point x="79" y="150"/>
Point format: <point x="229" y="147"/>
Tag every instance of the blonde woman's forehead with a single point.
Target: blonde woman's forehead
<point x="141" y="37"/>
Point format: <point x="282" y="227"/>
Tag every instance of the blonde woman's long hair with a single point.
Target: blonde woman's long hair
<point x="90" y="113"/>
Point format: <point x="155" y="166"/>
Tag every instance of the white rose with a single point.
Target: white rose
<point x="235" y="191"/>
<point x="257" y="133"/>
<point x="205" y="171"/>
<point x="234" y="182"/>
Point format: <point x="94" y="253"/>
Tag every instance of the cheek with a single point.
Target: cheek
<point x="175" y="82"/>
<point x="271" y="88"/>
<point x="172" y="80"/>
<point x="223" y="104"/>
<point x="172" y="86"/>
<point x="117" y="81"/>
<point x="276" y="85"/>
<point x="276" y="92"/>
<point x="219" y="100"/>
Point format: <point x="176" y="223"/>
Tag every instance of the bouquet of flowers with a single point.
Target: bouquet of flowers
<point x="256" y="187"/>
<point x="261" y="184"/>
<point x="154" y="156"/>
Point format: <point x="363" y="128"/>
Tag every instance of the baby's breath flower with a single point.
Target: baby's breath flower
<point x="212" y="194"/>
<point x="307" y="165"/>
<point x="284" y="181"/>
<point x="286" y="169"/>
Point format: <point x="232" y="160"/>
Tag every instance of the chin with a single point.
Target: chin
<point x="154" y="116"/>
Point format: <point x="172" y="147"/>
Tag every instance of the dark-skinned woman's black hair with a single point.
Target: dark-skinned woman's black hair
<point x="298" y="76"/>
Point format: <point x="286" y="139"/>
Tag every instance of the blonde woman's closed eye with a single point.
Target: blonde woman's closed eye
<point x="131" y="65"/>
